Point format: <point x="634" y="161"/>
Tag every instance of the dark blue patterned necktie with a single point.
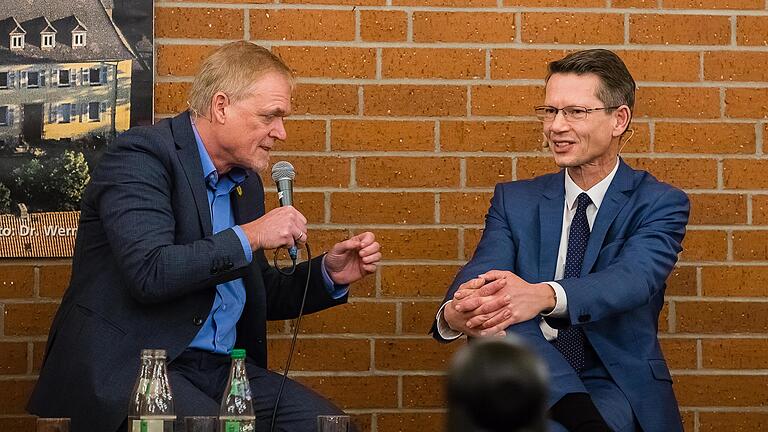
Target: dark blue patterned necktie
<point x="570" y="341"/>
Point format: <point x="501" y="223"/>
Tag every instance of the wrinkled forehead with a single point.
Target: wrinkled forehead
<point x="564" y="89"/>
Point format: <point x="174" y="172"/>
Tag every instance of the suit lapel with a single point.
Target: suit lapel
<point x="193" y="168"/>
<point x="615" y="198"/>
<point x="551" y="210"/>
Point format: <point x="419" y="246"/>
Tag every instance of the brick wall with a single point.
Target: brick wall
<point x="408" y="112"/>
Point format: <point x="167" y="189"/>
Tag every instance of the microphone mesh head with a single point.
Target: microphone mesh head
<point x="283" y="170"/>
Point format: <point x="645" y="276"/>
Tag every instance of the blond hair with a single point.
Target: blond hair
<point x="233" y="69"/>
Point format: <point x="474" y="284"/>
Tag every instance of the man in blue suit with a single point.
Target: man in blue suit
<point x="576" y="262"/>
<point x="170" y="254"/>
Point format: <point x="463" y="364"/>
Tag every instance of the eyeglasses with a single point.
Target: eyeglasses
<point x="571" y="113"/>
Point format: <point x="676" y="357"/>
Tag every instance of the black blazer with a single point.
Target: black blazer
<point x="144" y="273"/>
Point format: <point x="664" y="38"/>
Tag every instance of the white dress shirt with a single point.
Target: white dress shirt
<point x="572" y="190"/>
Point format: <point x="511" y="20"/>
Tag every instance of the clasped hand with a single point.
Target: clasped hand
<point x="493" y="301"/>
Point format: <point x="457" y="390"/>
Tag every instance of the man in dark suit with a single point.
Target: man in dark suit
<point x="170" y="254"/>
<point x="576" y="262"/>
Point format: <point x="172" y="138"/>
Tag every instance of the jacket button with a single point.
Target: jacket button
<point x="214" y="270"/>
<point x="197" y="321"/>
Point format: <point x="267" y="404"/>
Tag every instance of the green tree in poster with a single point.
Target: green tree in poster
<point x="54" y="184"/>
<point x="5" y="199"/>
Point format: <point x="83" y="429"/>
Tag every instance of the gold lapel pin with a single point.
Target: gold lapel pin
<point x="239" y="191"/>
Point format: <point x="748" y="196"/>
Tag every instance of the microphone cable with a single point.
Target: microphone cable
<point x="295" y="327"/>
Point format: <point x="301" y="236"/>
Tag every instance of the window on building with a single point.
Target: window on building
<point x="94" y="76"/>
<point x="94" y="111"/>
<point x="63" y="77"/>
<point x="3" y="116"/>
<point x="65" y="113"/>
<point x="33" y="79"/>
<point x="48" y="41"/>
<point x="17" y="42"/>
<point x="78" y="39"/>
<point x="3" y="80"/>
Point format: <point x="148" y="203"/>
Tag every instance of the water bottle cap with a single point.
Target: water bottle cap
<point x="238" y="354"/>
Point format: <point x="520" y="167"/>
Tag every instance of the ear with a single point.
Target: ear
<point x="621" y="116"/>
<point x="219" y="104"/>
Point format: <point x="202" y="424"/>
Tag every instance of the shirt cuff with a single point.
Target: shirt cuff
<point x="244" y="242"/>
<point x="561" y="302"/>
<point x="336" y="291"/>
<point x="443" y="329"/>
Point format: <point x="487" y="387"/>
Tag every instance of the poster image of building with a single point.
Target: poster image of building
<point x="70" y="81"/>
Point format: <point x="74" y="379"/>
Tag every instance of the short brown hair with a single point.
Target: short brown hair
<point x="232" y="69"/>
<point x="617" y="87"/>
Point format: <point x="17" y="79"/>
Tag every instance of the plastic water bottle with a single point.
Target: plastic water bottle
<point x="137" y="395"/>
<point x="153" y="398"/>
<point x="236" y="413"/>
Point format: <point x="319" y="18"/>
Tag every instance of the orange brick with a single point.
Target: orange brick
<point x="397" y="172"/>
<point x="644" y="4"/>
<point x="370" y="135"/>
<point x="335" y="99"/>
<point x="679" y="29"/>
<point x="363" y="422"/>
<point x="714" y="4"/>
<point x="664" y="318"/>
<point x="201" y="23"/>
<point x="735" y="66"/>
<point x="417" y="281"/>
<point x="760" y="209"/>
<point x="54" y="280"/>
<point x="303" y="135"/>
<point x="734" y="353"/>
<point x="413" y="354"/>
<point x="326" y="354"/>
<point x="464" y="207"/>
<point x="16" y="281"/>
<point x="683" y="173"/>
<point x="679" y="353"/>
<point x="718" y="209"/>
<point x="704" y="246"/>
<point x="310" y="204"/>
<point x="433" y="63"/>
<point x="721" y="390"/>
<point x="181" y="60"/>
<point x="329" y="62"/>
<point x="453" y="3"/>
<point x="302" y="24"/>
<point x="667" y="66"/>
<point x="423" y="100"/>
<point x="419" y="316"/>
<point x="330" y="171"/>
<point x="463" y="27"/>
<point x="171" y="98"/>
<point x="705" y="138"/>
<point x="637" y="142"/>
<point x="506" y="100"/>
<point x="750" y="245"/>
<point x="732" y="421"/>
<point x="682" y="282"/>
<point x="355" y="392"/>
<point x="752" y="30"/>
<point x="19" y="424"/>
<point x="357" y="317"/>
<point x="334" y="2"/>
<point x="29" y="319"/>
<point x="13" y="358"/>
<point x="383" y="26"/>
<point x="471" y="239"/>
<point x="38" y="352"/>
<point x="745" y="174"/>
<point x="688" y="419"/>
<point x="423" y="244"/>
<point x="746" y="102"/>
<point x="411" y="421"/>
<point x="15" y="396"/>
<point x="487" y="136"/>
<point x="487" y="171"/>
<point x="382" y="208"/>
<point x="574" y="28"/>
<point x="553" y="3"/>
<point x="522" y="63"/>
<point x="678" y="102"/>
<point x="721" y="317"/>
<point x="529" y="167"/>
<point x="424" y="391"/>
<point x="322" y="240"/>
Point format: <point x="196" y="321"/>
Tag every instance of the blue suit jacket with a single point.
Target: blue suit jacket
<point x="144" y="275"/>
<point x="632" y="249"/>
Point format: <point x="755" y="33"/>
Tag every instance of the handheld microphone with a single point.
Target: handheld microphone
<point x="283" y="175"/>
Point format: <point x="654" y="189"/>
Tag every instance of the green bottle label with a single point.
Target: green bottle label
<point x="232" y="426"/>
<point x="144" y="426"/>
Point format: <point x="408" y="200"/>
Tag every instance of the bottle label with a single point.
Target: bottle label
<point x="151" y="425"/>
<point x="231" y="426"/>
<point x="136" y="426"/>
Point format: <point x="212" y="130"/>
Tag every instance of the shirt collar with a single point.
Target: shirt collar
<point x="211" y="176"/>
<point x="596" y="193"/>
